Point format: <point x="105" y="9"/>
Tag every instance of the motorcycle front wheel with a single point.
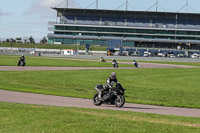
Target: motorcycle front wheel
<point x="119" y="101"/>
<point x="96" y="100"/>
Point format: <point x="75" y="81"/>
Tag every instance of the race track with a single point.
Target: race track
<point x="39" y="99"/>
<point x="141" y="65"/>
<point x="29" y="98"/>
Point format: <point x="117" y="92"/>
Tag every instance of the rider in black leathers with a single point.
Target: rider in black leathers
<point x="102" y="59"/>
<point x="135" y="63"/>
<point x="114" y="63"/>
<point x="109" y="83"/>
<point x="22" y="59"/>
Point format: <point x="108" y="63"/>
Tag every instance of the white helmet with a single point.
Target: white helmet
<point x="113" y="75"/>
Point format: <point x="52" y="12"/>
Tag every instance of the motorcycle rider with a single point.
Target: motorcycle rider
<point x="22" y="59"/>
<point x="109" y="83"/>
<point x="114" y="63"/>
<point x="102" y="59"/>
<point x="135" y="63"/>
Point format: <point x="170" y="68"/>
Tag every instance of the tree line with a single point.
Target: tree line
<point x="26" y="40"/>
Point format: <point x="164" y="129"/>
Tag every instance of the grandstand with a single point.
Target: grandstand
<point x="147" y="29"/>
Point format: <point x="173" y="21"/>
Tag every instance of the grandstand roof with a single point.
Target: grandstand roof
<point x="78" y="10"/>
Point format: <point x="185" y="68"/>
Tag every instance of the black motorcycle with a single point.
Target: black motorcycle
<point x="102" y="59"/>
<point x="115" y="64"/>
<point x="21" y="63"/>
<point x="114" y="96"/>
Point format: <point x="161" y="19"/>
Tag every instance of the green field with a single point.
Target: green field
<point x="167" y="87"/>
<point x="165" y="62"/>
<point x="20" y="118"/>
<point x="174" y="63"/>
<point x="52" y="46"/>
<point x="59" y="62"/>
<point x="177" y="87"/>
<point x="11" y="60"/>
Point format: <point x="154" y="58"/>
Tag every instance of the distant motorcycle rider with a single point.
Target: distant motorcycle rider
<point x="135" y="63"/>
<point x="109" y="83"/>
<point x="114" y="63"/>
<point x="21" y="60"/>
<point x="102" y="59"/>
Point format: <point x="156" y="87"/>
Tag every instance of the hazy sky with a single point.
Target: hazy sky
<point x="20" y="18"/>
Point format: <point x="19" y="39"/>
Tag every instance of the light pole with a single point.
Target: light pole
<point x="97" y="4"/>
<point x="126" y="5"/>
<point x="187" y="6"/>
<point x="156" y="5"/>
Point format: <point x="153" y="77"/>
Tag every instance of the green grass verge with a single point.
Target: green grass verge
<point x="166" y="87"/>
<point x="174" y="63"/>
<point x="165" y="62"/>
<point x="52" y="46"/>
<point x="11" y="60"/>
<point x="54" y="62"/>
<point x="20" y="118"/>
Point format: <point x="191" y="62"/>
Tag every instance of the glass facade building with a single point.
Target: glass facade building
<point x="134" y="28"/>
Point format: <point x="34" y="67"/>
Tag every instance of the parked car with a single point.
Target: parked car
<point x="180" y="55"/>
<point x="160" y="55"/>
<point x="171" y="55"/>
<point x="147" y="54"/>
<point x="195" y="55"/>
<point x="135" y="53"/>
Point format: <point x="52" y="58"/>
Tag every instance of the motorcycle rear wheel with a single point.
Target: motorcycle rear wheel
<point x="96" y="100"/>
<point x="119" y="101"/>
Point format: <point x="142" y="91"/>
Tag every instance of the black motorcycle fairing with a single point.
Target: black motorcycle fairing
<point x="108" y="96"/>
<point x="99" y="87"/>
<point x="119" y="89"/>
<point x="113" y="96"/>
<point x="21" y="63"/>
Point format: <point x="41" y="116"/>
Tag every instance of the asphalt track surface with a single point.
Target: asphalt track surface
<point x="39" y="99"/>
<point x="141" y="65"/>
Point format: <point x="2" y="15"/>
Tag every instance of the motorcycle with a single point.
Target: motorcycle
<point x="114" y="96"/>
<point x="102" y="60"/>
<point x="115" y="64"/>
<point x="135" y="64"/>
<point x="21" y="63"/>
